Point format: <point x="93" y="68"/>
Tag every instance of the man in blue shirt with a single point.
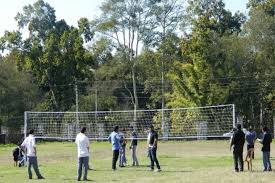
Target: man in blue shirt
<point x="115" y="140"/>
<point x="250" y="137"/>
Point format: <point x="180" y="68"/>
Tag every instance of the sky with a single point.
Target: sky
<point x="72" y="10"/>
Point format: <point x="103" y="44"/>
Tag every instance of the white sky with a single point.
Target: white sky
<point x="72" y="10"/>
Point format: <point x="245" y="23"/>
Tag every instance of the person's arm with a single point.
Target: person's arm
<point x="155" y="141"/>
<point x="88" y="144"/>
<point x="34" y="146"/>
<point x="261" y="140"/>
<point x="232" y="141"/>
<point x="109" y="138"/>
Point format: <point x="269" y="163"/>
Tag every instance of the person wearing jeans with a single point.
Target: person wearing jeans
<point x="153" y="142"/>
<point x="29" y="145"/>
<point x="133" y="147"/>
<point x="82" y="142"/>
<point x="115" y="140"/>
<point x="267" y="139"/>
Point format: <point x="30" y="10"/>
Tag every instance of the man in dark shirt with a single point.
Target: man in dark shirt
<point x="237" y="142"/>
<point x="133" y="147"/>
<point x="267" y="139"/>
<point x="153" y="143"/>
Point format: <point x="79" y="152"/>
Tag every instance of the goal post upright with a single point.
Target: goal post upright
<point x="25" y="123"/>
<point x="234" y="115"/>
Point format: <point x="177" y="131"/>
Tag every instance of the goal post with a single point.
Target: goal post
<point x="180" y="123"/>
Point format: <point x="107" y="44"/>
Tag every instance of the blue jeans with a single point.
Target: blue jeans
<point x="266" y="160"/>
<point x="153" y="157"/>
<point x="82" y="161"/>
<point x="122" y="156"/>
<point x="33" y="163"/>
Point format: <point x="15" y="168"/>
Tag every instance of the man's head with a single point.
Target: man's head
<point x="250" y="128"/>
<point x="116" y="129"/>
<point x="83" y="130"/>
<point x="239" y="126"/>
<point x="265" y="129"/>
<point x="151" y="128"/>
<point x="31" y="131"/>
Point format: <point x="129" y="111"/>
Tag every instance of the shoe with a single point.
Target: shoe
<point x="236" y="170"/>
<point x="86" y="179"/>
<point x="158" y="170"/>
<point x="40" y="178"/>
<point x="264" y="170"/>
<point x="270" y="169"/>
<point x="151" y="169"/>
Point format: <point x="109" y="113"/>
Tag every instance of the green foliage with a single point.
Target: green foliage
<point x="17" y="93"/>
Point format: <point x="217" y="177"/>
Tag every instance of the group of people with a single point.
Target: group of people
<point x="237" y="142"/>
<point x="116" y="138"/>
<point x="118" y="146"/>
<point x="118" y="141"/>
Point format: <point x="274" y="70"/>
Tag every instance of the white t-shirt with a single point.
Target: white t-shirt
<point x="29" y="144"/>
<point x="82" y="142"/>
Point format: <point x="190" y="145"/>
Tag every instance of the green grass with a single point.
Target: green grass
<point x="181" y="161"/>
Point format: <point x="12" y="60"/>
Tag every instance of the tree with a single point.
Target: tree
<point x="18" y="93"/>
<point x="126" y="23"/>
<point x="53" y="53"/>
<point x="194" y="77"/>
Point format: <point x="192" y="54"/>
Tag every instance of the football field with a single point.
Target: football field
<point x="181" y="161"/>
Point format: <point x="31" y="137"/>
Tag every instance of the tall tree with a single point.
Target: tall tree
<point x="53" y="52"/>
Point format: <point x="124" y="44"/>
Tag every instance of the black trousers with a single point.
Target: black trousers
<point x="115" y="158"/>
<point x="153" y="157"/>
<point x="238" y="160"/>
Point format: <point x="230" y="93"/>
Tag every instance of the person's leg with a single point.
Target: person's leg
<point x="86" y="166"/>
<point x="79" y="169"/>
<point x="241" y="161"/>
<point x="265" y="160"/>
<point x="124" y="156"/>
<point x="151" y="158"/>
<point x="135" y="160"/>
<point x="120" y="157"/>
<point x="154" y="152"/>
<point x="268" y="161"/>
<point x="35" y="167"/>
<point x="115" y="157"/>
<point x="235" y="157"/>
<point x="29" y="167"/>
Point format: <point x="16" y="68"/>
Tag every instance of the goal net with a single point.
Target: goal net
<point x="197" y="122"/>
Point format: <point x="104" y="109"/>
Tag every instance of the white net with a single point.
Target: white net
<point x="199" y="122"/>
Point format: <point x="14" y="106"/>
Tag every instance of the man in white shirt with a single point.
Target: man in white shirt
<point x="29" y="145"/>
<point x="82" y="142"/>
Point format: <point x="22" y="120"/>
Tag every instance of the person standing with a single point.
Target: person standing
<point x="82" y="142"/>
<point x="153" y="144"/>
<point x="30" y="146"/>
<point x="133" y="147"/>
<point x="250" y="138"/>
<point x="114" y="139"/>
<point x="122" y="149"/>
<point x="267" y="139"/>
<point x="237" y="142"/>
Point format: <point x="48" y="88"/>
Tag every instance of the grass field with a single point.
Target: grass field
<point x="181" y="161"/>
